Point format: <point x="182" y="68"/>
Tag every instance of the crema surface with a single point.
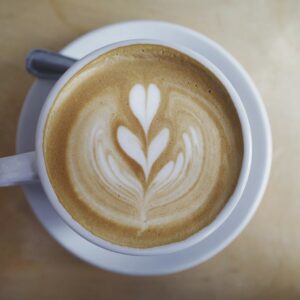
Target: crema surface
<point x="143" y="146"/>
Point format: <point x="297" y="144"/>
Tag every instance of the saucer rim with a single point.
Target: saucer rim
<point x="268" y="141"/>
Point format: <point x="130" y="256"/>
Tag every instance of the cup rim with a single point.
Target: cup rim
<point x="162" y="249"/>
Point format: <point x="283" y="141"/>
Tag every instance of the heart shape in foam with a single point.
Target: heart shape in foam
<point x="144" y="108"/>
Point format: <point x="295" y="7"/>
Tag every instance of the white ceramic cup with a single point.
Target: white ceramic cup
<point x="29" y="167"/>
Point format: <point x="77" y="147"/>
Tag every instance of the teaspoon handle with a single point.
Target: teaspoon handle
<point x="46" y="64"/>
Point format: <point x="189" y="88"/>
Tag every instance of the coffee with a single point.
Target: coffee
<point x="143" y="146"/>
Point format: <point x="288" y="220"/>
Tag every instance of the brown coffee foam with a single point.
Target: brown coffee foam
<point x="179" y="78"/>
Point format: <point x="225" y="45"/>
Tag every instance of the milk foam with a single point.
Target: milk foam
<point x="137" y="149"/>
<point x="173" y="179"/>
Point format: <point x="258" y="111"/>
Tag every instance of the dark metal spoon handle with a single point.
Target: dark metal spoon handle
<point x="46" y="64"/>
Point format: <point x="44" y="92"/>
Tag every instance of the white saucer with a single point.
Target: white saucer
<point x="262" y="150"/>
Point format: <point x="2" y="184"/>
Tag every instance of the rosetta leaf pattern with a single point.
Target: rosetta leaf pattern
<point x="144" y="105"/>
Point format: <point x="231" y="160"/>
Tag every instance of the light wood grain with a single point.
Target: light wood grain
<point x="264" y="262"/>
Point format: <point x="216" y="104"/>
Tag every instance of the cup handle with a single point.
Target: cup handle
<point x="18" y="169"/>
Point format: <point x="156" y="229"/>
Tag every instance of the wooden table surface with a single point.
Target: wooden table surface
<point x="264" y="261"/>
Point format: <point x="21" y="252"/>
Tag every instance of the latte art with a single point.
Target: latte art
<point x="143" y="146"/>
<point x="168" y="184"/>
<point x="144" y="107"/>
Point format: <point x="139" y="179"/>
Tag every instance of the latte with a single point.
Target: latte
<point x="143" y="146"/>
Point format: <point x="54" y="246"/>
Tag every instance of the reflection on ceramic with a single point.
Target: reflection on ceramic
<point x="261" y="160"/>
